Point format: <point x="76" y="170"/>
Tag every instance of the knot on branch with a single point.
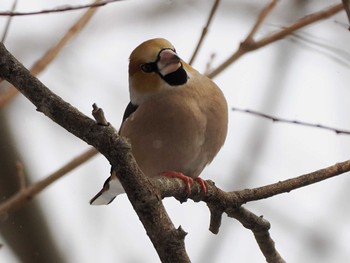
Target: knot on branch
<point x="99" y="115"/>
<point x="181" y="232"/>
<point x="247" y="45"/>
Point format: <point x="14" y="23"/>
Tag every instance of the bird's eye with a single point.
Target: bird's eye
<point x="149" y="67"/>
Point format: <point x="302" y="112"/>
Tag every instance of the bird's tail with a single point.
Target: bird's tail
<point x="111" y="188"/>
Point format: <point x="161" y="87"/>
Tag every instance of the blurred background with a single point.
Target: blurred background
<point x="304" y="77"/>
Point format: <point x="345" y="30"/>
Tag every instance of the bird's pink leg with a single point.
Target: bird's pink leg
<point x="203" y="184"/>
<point x="188" y="180"/>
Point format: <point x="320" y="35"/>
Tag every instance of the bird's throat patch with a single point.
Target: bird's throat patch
<point x="178" y="77"/>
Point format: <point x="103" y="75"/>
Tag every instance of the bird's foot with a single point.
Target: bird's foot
<point x="203" y="184"/>
<point x="188" y="180"/>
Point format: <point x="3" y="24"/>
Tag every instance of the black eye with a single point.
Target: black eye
<point x="149" y="67"/>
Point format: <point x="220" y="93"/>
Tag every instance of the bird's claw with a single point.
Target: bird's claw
<point x="188" y="180"/>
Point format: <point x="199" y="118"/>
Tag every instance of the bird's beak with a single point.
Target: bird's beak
<point x="168" y="62"/>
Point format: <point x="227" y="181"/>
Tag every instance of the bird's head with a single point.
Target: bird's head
<point x="154" y="67"/>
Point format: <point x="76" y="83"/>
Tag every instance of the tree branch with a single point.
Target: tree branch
<point x="278" y="119"/>
<point x="205" y="30"/>
<point x="27" y="193"/>
<point x="286" y="186"/>
<point x="249" y="44"/>
<point x="220" y="202"/>
<point x="227" y="201"/>
<point x="59" y="9"/>
<point x="260" y="228"/>
<point x="167" y="240"/>
<point x="21" y="177"/>
<point x="8" y="22"/>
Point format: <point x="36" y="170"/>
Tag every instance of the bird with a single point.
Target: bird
<point x="176" y="120"/>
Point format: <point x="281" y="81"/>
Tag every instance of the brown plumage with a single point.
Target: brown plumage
<point x="176" y="120"/>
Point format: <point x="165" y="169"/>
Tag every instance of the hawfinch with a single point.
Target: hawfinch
<point x="176" y="120"/>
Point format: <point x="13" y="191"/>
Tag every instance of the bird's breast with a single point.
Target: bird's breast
<point x="177" y="131"/>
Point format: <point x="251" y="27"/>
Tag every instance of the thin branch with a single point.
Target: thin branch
<point x="303" y="22"/>
<point x="59" y="9"/>
<point x="209" y="63"/>
<point x="261" y="18"/>
<point x="286" y="186"/>
<point x="7" y="26"/>
<point x="278" y="119"/>
<point x="51" y="54"/>
<point x="249" y="44"/>
<point x="27" y="193"/>
<point x="99" y="115"/>
<point x="205" y="30"/>
<point x="21" y="176"/>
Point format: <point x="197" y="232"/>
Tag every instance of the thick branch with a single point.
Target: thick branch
<point x="168" y="241"/>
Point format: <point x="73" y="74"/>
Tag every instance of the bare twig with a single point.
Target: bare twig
<point x="21" y="176"/>
<point x="27" y="193"/>
<point x="278" y="119"/>
<point x="59" y="9"/>
<point x="209" y="63"/>
<point x="286" y="186"/>
<point x="7" y="26"/>
<point x="99" y="115"/>
<point x="249" y="44"/>
<point x="205" y="30"/>
<point x="51" y="54"/>
<point x="261" y="18"/>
